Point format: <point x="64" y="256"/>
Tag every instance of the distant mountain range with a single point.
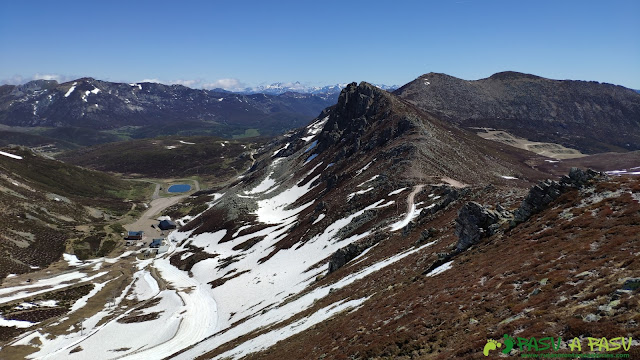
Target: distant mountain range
<point x="88" y="111"/>
<point x="329" y="91"/>
<point x="589" y="116"/>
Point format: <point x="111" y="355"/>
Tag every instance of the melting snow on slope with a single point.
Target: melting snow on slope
<point x="274" y="210"/>
<point x="11" y="155"/>
<point x="624" y="172"/>
<point x="365" y="167"/>
<point x="320" y="217"/>
<point x="373" y="178"/>
<point x="275" y="315"/>
<point x="440" y="269"/>
<point x="45" y="285"/>
<point x="266" y="340"/>
<point x="314" y="129"/>
<point x="80" y="303"/>
<point x="208" y="241"/>
<point x="394" y="192"/>
<point x="144" y="286"/>
<point x="313" y="144"/>
<point x="286" y="146"/>
<point x="412" y="214"/>
<point x="508" y="177"/>
<point x="17" y="323"/>
<point x="71" y="259"/>
<point x="350" y="196"/>
<point x="185" y="142"/>
<point x="73" y="87"/>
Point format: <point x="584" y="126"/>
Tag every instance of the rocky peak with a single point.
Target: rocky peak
<point x="357" y="101"/>
<point x="359" y="107"/>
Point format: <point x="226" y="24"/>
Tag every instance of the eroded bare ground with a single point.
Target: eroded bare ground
<point x="555" y="151"/>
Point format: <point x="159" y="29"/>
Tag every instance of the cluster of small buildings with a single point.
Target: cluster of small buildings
<point x="157" y="245"/>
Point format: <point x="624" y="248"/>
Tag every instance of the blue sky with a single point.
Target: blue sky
<point x="239" y="43"/>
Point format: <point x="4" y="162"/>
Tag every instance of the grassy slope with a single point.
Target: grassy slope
<point x="44" y="200"/>
<point x="168" y="157"/>
<point x="545" y="277"/>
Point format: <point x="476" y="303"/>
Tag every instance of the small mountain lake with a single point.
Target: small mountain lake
<point x="178" y="188"/>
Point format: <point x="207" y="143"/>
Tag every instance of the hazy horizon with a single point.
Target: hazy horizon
<point x="206" y="44"/>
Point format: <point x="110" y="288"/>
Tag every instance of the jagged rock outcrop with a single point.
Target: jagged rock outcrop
<point x="541" y="195"/>
<point x="473" y="223"/>
<point x="358" y="108"/>
<point x="344" y="255"/>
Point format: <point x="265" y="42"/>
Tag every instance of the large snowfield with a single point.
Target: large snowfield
<point x="259" y="288"/>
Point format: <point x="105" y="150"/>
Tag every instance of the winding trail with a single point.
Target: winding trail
<point x="411" y="209"/>
<point x="412" y="195"/>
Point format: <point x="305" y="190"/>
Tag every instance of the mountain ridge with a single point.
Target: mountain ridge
<point x="151" y="109"/>
<point x="588" y="116"/>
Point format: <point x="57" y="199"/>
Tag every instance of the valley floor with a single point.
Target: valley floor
<point x="146" y="307"/>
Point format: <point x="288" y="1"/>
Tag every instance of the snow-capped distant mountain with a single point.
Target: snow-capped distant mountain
<point x="323" y="91"/>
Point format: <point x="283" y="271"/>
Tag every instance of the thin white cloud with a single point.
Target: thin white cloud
<point x="227" y="84"/>
<point x="14" y="80"/>
<point x="150" y="81"/>
<point x="187" y="83"/>
<point x="57" y="77"/>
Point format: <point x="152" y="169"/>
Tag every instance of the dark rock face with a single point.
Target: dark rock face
<point x="538" y="198"/>
<point x="588" y="116"/>
<point x="474" y="222"/>
<point x="541" y="195"/>
<point x="342" y="256"/>
<point x="358" y="109"/>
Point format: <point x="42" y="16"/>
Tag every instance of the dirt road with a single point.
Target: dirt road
<point x="156" y="207"/>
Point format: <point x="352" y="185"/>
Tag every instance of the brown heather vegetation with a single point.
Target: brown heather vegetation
<point x="552" y="275"/>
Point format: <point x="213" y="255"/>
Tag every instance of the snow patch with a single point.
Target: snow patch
<point x="350" y="196"/>
<point x="313" y="144"/>
<point x="71" y="259"/>
<point x="320" y="217"/>
<point x="73" y="87"/>
<point x="440" y="269"/>
<point x="365" y="167"/>
<point x="11" y="155"/>
<point x="20" y="324"/>
<point x="373" y="178"/>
